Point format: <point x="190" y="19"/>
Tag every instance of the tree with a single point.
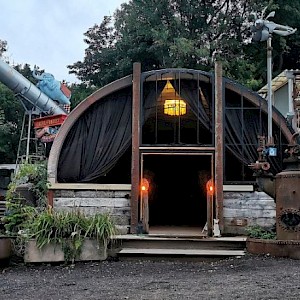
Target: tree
<point x="3" y="47"/>
<point x="11" y="115"/>
<point x="10" y="125"/>
<point x="80" y="91"/>
<point x="167" y="33"/>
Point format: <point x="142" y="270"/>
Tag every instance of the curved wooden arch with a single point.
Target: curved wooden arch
<point x="124" y="82"/>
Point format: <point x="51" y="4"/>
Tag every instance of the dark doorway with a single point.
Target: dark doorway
<point x="177" y="194"/>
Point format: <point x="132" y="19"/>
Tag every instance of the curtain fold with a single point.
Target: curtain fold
<point x="190" y="91"/>
<point x="97" y="140"/>
<point x="241" y="134"/>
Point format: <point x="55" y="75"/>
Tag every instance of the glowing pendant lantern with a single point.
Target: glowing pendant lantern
<point x="174" y="107"/>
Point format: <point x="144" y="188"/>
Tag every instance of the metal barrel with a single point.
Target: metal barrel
<point x="22" y="86"/>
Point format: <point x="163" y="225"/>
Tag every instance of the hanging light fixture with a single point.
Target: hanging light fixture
<point x="174" y="107"/>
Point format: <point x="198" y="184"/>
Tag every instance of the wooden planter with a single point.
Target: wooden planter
<point x="276" y="248"/>
<point x="91" y="250"/>
<point x="5" y="248"/>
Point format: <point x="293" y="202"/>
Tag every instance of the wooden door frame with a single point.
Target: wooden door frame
<point x="167" y="152"/>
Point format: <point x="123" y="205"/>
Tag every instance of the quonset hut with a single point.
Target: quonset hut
<point x="177" y="128"/>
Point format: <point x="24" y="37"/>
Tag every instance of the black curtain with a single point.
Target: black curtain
<point x="189" y="90"/>
<point x="102" y="135"/>
<point x="151" y="91"/>
<point x="242" y="128"/>
<point x="97" y="140"/>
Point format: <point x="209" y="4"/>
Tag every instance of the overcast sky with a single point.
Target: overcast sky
<point x="49" y="33"/>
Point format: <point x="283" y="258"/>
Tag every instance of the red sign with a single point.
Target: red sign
<point x="49" y="121"/>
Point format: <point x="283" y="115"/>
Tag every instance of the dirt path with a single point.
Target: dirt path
<point x="249" y="277"/>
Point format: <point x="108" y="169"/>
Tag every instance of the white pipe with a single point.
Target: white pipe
<point x="22" y="86"/>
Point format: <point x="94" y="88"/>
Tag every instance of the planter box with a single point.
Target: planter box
<point x="91" y="250"/>
<point x="276" y="248"/>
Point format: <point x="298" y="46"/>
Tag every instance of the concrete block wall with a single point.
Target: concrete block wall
<point x="91" y="199"/>
<point x="242" y="209"/>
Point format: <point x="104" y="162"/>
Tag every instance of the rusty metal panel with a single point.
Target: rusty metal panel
<point x="288" y="205"/>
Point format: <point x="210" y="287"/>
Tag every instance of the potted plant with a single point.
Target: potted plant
<point x="68" y="236"/>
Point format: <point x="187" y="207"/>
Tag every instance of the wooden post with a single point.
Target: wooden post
<point x="145" y="209"/>
<point x="219" y="147"/>
<point x="135" y="158"/>
<point x="50" y="196"/>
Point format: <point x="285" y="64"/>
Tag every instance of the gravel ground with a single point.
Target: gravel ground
<point x="249" y="277"/>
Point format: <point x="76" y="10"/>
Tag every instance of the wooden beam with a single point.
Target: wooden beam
<point x="219" y="140"/>
<point x="135" y="159"/>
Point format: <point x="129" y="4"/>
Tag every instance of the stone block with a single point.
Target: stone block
<point x="67" y="193"/>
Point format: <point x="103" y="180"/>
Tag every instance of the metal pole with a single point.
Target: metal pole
<point x="28" y="136"/>
<point x="270" y="94"/>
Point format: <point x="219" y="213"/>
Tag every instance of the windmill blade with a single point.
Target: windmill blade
<point x="264" y="11"/>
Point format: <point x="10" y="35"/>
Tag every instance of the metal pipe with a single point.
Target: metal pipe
<point x="23" y="87"/>
<point x="291" y="113"/>
<point x="270" y="93"/>
<point x="28" y="137"/>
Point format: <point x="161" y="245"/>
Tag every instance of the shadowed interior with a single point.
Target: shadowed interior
<point x="177" y="194"/>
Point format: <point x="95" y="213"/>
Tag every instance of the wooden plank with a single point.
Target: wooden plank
<point x="182" y="252"/>
<point x="264" y="222"/>
<point x="238" y="188"/>
<point x="84" y="202"/>
<point x="247" y="195"/>
<point x="249" y="204"/>
<point x="90" y="186"/>
<point x="246" y="213"/>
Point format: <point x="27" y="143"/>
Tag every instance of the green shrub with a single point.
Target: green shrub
<point x="259" y="232"/>
<point x="36" y="174"/>
<point x="69" y="229"/>
<point x="17" y="217"/>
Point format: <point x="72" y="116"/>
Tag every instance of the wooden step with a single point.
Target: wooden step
<point x="150" y="242"/>
<point x="181" y="252"/>
<point x="135" y="246"/>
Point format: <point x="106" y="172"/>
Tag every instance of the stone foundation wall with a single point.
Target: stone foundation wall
<point x="242" y="209"/>
<point x="90" y="199"/>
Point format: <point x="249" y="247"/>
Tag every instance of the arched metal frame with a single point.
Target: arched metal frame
<point x="147" y="76"/>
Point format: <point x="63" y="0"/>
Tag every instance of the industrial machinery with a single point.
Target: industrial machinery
<point x="46" y="106"/>
<point x="284" y="187"/>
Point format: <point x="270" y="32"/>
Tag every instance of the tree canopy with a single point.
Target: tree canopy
<point x="185" y="33"/>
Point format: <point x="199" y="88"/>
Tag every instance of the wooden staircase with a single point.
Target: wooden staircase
<point x="138" y="246"/>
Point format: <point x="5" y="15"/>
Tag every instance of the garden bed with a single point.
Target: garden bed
<point x="91" y="250"/>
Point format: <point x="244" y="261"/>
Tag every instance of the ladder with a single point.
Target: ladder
<point x="30" y="149"/>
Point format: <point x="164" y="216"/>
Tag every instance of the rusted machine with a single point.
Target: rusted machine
<point x="287" y="193"/>
<point x="284" y="188"/>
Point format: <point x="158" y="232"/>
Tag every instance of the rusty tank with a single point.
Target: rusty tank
<point x="287" y="195"/>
